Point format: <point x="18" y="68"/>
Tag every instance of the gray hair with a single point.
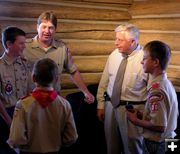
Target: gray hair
<point x="131" y="31"/>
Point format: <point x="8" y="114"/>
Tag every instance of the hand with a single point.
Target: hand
<point x="89" y="98"/>
<point x="131" y="115"/>
<point x="101" y="114"/>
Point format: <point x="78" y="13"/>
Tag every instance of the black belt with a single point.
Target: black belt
<point x="122" y="102"/>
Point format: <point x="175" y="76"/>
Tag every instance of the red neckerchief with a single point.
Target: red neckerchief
<point x="44" y="97"/>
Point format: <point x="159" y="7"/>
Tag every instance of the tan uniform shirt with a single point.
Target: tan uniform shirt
<point x="15" y="79"/>
<point x="42" y="130"/>
<point x="57" y="52"/>
<point x="161" y="108"/>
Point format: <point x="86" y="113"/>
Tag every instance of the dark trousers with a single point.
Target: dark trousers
<point x="38" y="153"/>
<point x="152" y="147"/>
<point x="4" y="134"/>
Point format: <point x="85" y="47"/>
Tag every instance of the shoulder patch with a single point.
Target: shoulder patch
<point x="154" y="99"/>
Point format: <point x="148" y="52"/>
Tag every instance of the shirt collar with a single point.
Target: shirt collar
<point x="139" y="47"/>
<point x="8" y="60"/>
<point x="36" y="44"/>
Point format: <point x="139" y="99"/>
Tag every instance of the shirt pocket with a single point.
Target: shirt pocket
<point x="136" y="82"/>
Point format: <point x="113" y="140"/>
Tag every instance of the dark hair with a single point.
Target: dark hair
<point x="45" y="71"/>
<point x="10" y="34"/>
<point x="159" y="50"/>
<point x="49" y="16"/>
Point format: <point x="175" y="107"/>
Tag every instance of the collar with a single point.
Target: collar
<point x="139" y="47"/>
<point x="8" y="60"/>
<point x="36" y="44"/>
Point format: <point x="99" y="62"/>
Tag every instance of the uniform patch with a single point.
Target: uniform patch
<point x="8" y="88"/>
<point x="154" y="100"/>
<point x="155" y="85"/>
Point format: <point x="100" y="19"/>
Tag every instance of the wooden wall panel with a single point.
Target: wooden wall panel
<point x="155" y="7"/>
<point x="160" y="20"/>
<point x="90" y="64"/>
<point x="89" y="78"/>
<point x="160" y="24"/>
<point x="14" y="9"/>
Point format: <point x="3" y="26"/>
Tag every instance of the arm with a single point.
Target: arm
<point x="144" y="123"/>
<point x="4" y="113"/>
<point x="100" y="93"/>
<point x="77" y="79"/>
<point x="17" y="136"/>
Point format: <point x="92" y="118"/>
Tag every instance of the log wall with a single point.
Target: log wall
<point x="87" y="26"/>
<point x="160" y="20"/>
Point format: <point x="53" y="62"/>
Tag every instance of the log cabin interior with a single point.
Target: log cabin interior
<point x="87" y="27"/>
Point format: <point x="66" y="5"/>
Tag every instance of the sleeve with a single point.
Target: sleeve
<point x="69" y="63"/>
<point x="31" y="84"/>
<point x="158" y="105"/>
<point x="17" y="137"/>
<point x="70" y="133"/>
<point x="102" y="87"/>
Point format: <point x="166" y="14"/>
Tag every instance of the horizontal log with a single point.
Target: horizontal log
<point x="29" y="25"/>
<point x="162" y="24"/>
<point x="90" y="64"/>
<point x="170" y="38"/>
<point x="155" y="7"/>
<point x="91" y="48"/>
<point x="89" y="78"/>
<point x="97" y="2"/>
<point x="14" y="9"/>
<point x="104" y="1"/>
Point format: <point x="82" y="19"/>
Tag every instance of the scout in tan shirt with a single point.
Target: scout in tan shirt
<point x="43" y="121"/>
<point x="15" y="76"/>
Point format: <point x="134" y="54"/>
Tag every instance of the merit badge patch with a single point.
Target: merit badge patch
<point x="8" y="89"/>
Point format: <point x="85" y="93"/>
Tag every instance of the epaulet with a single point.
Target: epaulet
<point x="29" y="40"/>
<point x="59" y="41"/>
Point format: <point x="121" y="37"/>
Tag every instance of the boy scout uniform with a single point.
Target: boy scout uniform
<point x="58" y="52"/>
<point x="161" y="109"/>
<point x="15" y="80"/>
<point x="47" y="120"/>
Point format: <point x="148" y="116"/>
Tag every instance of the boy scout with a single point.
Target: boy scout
<point x="15" y="77"/>
<point x="43" y="121"/>
<point x="161" y="109"/>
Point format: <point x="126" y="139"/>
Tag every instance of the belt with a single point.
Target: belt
<point x="122" y="102"/>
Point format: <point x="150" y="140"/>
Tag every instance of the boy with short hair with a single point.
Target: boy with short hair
<point x="161" y="109"/>
<point x="43" y="121"/>
<point x="15" y="79"/>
